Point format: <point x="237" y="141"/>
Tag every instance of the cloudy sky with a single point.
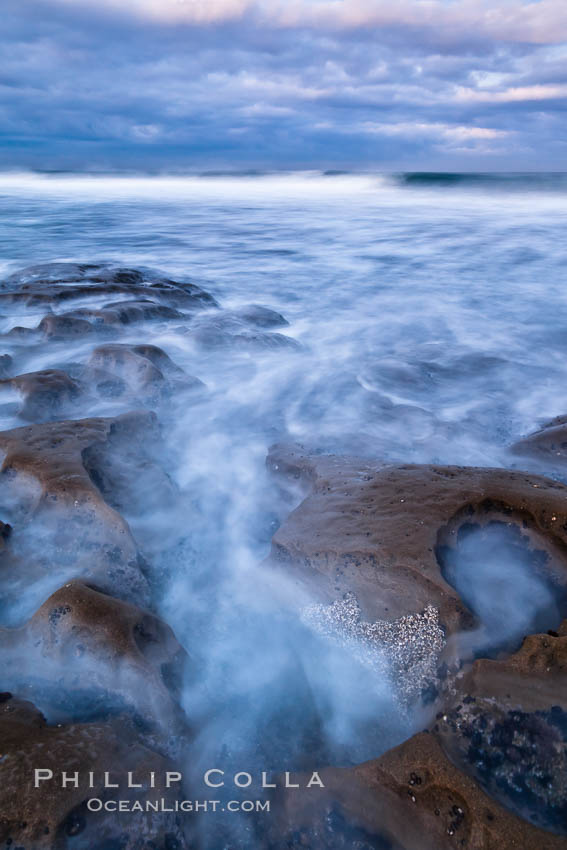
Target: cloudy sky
<point x="206" y="84"/>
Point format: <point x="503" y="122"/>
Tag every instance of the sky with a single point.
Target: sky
<point x="197" y="85"/>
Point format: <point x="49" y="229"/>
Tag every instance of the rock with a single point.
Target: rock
<point x="412" y="798"/>
<point x="261" y="317"/>
<point x="84" y="653"/>
<point x="56" y="283"/>
<point x="54" y="816"/>
<point x="547" y="447"/>
<point x="533" y="678"/>
<point x="159" y="358"/>
<point x="45" y="394"/>
<point x="384" y="532"/>
<point x="505" y="722"/>
<point x="242" y="329"/>
<point x="21" y="335"/>
<point x="62" y="525"/>
<point x="5" y="365"/>
<point x="214" y="336"/>
<point x="127" y="312"/>
<point x="145" y="370"/>
<point x="138" y="371"/>
<point x="64" y="327"/>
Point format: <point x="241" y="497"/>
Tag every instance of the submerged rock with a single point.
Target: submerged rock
<point x="261" y="317"/>
<point x="64" y="327"/>
<point x="54" y="283"/>
<point x="144" y="372"/>
<point x="547" y="447"/>
<point x="45" y="394"/>
<point x="125" y="313"/>
<point x="213" y="335"/>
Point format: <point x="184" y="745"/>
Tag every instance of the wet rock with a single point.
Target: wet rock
<point x="57" y="283"/>
<point x="412" y="798"/>
<point x="505" y="724"/>
<point x="5" y="365"/>
<point x="128" y="312"/>
<point x="145" y="371"/>
<point x="142" y="310"/>
<point x="534" y="677"/>
<point x="382" y="532"/>
<point x="84" y="653"/>
<point x="546" y="447"/>
<point x="214" y="336"/>
<point x="243" y="329"/>
<point x="261" y="317"/>
<point x="159" y="358"/>
<point x="123" y="361"/>
<point x="62" y="524"/>
<point x="45" y="394"/>
<point x="21" y="335"/>
<point x="64" y="327"/>
<point x="54" y="816"/>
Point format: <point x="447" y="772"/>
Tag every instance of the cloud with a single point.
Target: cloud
<point x="413" y="129"/>
<point x="142" y="83"/>
<point x="509" y="95"/>
<point x="510" y="20"/>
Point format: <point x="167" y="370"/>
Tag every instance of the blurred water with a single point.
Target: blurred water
<point x="432" y="316"/>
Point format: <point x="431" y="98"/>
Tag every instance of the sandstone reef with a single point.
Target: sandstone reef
<point x="91" y="673"/>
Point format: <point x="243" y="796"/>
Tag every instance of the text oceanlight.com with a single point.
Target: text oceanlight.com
<point x="97" y="805"/>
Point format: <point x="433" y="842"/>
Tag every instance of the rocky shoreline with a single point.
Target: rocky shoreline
<point x="92" y="676"/>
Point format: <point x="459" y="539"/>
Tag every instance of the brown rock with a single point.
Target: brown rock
<point x="61" y="522"/>
<point x="533" y="679"/>
<point x="45" y="394"/>
<point x="136" y="370"/>
<point x="412" y="798"/>
<point x="378" y="531"/>
<point x="504" y="722"/>
<point x="146" y="370"/>
<point x="124" y="313"/>
<point x="84" y="651"/>
<point x="142" y="310"/>
<point x="64" y="327"/>
<point x="54" y="816"/>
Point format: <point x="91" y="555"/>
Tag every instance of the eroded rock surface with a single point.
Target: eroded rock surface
<point x="86" y="653"/>
<point x="412" y="798"/>
<point x="491" y="770"/>
<point x="381" y="531"/>
<point x="54" y="816"/>
<point x="374" y="552"/>
<point x="60" y="520"/>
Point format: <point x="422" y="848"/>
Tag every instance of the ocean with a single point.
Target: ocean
<point x="427" y="319"/>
